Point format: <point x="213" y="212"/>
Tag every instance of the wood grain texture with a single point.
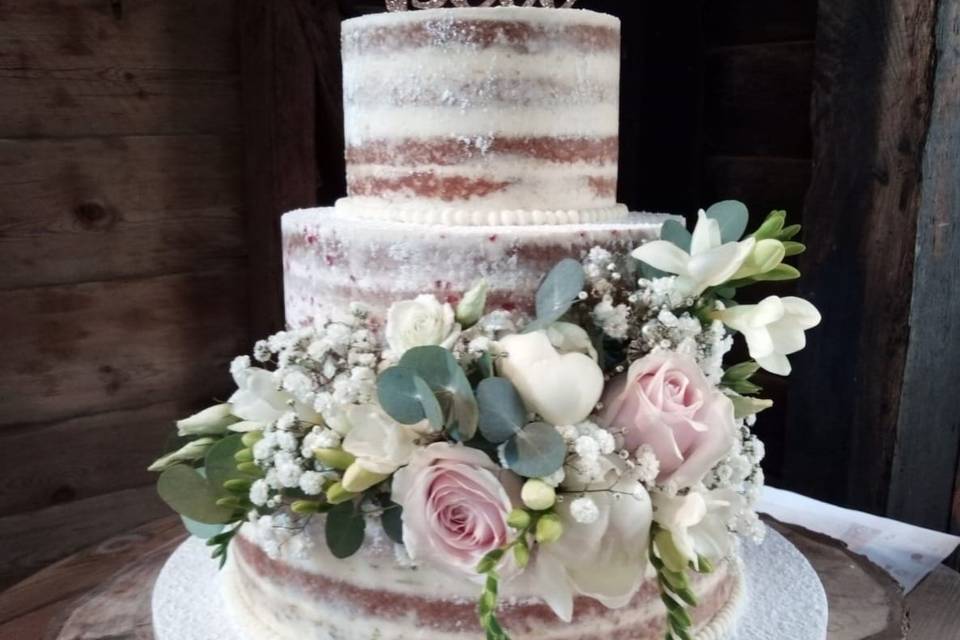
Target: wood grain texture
<point x="104" y="346"/>
<point x="91" y="455"/>
<point x="34" y="540"/>
<point x="739" y="22"/>
<point x="932" y="608"/>
<point x="928" y="434"/>
<point x="871" y="105"/>
<point x="79" y="575"/>
<point x="115" y="101"/>
<point x="98" y="208"/>
<point x="127" y="34"/>
<point x="279" y="100"/>
<point x="757" y="100"/>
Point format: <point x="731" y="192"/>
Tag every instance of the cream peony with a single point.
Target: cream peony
<point x="605" y="559"/>
<point x="665" y="401"/>
<point x="421" y="322"/>
<point x="562" y="388"/>
<point x="710" y="262"/>
<point x="380" y="444"/>
<point x="773" y="329"/>
<point x="455" y="505"/>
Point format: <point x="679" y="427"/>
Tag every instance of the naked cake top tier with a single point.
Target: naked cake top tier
<point x="481" y="116"/>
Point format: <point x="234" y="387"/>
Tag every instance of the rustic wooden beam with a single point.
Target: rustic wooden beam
<point x="928" y="438"/>
<point x="856" y="387"/>
<point x="281" y="43"/>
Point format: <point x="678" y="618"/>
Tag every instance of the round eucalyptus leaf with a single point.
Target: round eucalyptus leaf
<point x="441" y="371"/>
<point x="537" y="451"/>
<point x="220" y="465"/>
<point x="732" y="216"/>
<point x="559" y="290"/>
<point x="189" y="494"/>
<point x="201" y="530"/>
<point x="400" y="396"/>
<point x="502" y="413"/>
<point x="673" y="231"/>
<point x="429" y="403"/>
<point x="344" y="530"/>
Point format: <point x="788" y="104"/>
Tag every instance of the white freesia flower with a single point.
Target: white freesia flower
<point x="605" y="558"/>
<point x="420" y="322"/>
<point x="710" y="262"/>
<point x="259" y="398"/>
<point x="773" y="329"/>
<point x="698" y="521"/>
<point x="380" y="444"/>
<point x="562" y="388"/>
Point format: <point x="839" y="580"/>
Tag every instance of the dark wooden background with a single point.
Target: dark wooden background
<point x="148" y="147"/>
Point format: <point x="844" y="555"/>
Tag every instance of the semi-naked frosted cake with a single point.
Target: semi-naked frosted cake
<point x="480" y="143"/>
<point x="500" y="407"/>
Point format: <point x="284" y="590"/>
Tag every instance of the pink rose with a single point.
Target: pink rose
<point x="666" y="402"/>
<point x="455" y="505"/>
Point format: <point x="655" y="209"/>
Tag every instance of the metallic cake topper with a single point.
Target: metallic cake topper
<point x="403" y="5"/>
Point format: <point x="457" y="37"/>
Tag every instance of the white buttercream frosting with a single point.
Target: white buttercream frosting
<point x="375" y="209"/>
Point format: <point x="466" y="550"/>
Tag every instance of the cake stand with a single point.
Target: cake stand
<point x="783" y="596"/>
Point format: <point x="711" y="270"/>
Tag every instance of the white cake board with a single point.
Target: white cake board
<point x="784" y="598"/>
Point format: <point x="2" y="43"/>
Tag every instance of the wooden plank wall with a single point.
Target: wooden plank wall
<point x="124" y="282"/>
<point x="873" y="423"/>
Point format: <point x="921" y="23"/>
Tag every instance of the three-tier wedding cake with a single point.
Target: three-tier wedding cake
<point x="496" y="382"/>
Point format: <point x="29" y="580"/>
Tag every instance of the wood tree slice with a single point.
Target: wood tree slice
<point x="104" y="593"/>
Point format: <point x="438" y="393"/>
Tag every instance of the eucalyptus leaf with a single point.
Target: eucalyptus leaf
<point x="502" y="413"/>
<point x="407" y="398"/>
<point x="392" y="521"/>
<point x="201" y="530"/>
<point x="344" y="530"/>
<point x="732" y="216"/>
<point x="188" y="493"/>
<point x="557" y="293"/>
<point x="675" y="232"/>
<point x="441" y="371"/>
<point x="220" y="464"/>
<point x="537" y="451"/>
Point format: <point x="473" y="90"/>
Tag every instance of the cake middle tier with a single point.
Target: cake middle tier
<point x="332" y="259"/>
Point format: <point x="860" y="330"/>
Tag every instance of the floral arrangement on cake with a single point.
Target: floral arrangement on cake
<point x="589" y="448"/>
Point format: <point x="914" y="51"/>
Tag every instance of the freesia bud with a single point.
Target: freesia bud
<point x="356" y="479"/>
<point x="334" y="458"/>
<point x="538" y="495"/>
<point x="189" y="452"/>
<point x="212" y="421"/>
<point x="472" y="305"/>
<point x="549" y="528"/>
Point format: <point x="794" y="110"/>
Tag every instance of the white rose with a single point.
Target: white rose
<point x="562" y="388"/>
<point x="709" y="263"/>
<point x="380" y="444"/>
<point x="420" y="322"/>
<point x="773" y="329"/>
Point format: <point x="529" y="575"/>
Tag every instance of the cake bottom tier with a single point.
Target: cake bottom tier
<point x="375" y="598"/>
